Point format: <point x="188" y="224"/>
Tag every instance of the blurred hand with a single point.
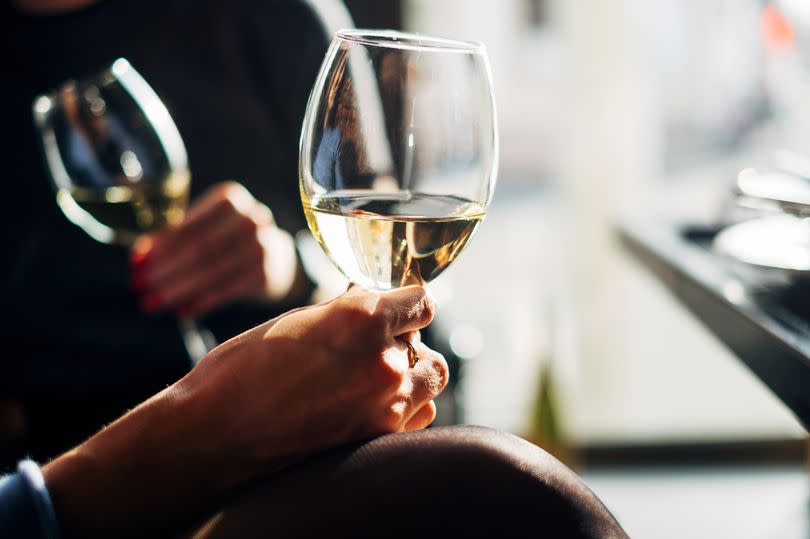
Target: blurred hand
<point x="314" y="378"/>
<point x="227" y="248"/>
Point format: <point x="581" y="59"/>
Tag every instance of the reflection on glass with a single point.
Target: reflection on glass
<point x="116" y="158"/>
<point x="399" y="154"/>
<point x="117" y="161"/>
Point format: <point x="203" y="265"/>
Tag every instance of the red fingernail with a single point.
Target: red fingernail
<point x="138" y="282"/>
<point x="139" y="258"/>
<point x="151" y="302"/>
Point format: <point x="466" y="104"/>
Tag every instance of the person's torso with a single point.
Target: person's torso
<point x="69" y="295"/>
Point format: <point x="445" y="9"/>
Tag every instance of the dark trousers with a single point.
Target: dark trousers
<point x="440" y="482"/>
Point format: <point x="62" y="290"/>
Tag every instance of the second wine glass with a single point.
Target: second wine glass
<point x="399" y="154"/>
<point x="117" y="162"/>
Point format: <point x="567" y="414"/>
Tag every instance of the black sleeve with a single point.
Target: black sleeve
<point x="283" y="45"/>
<point x="288" y="40"/>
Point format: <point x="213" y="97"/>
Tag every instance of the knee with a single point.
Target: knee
<point x="463" y="451"/>
<point x="466" y="452"/>
<point x="451" y="481"/>
<point x="480" y="478"/>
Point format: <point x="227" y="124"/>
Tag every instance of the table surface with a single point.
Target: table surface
<point x="762" y="317"/>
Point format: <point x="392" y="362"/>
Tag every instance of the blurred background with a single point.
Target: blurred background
<point x="609" y="110"/>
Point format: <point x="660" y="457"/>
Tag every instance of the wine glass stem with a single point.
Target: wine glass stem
<point x="198" y="341"/>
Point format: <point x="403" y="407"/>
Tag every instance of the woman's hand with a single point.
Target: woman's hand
<point x="313" y="378"/>
<point x="319" y="377"/>
<point x="227" y="248"/>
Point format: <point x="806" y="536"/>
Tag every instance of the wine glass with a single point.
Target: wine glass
<point x="398" y="154"/>
<point x="117" y="163"/>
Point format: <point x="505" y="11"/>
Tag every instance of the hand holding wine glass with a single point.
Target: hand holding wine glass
<point x="227" y="248"/>
<point x="399" y="154"/>
<point x="117" y="162"/>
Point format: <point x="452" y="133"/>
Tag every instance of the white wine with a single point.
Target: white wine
<point x="388" y="240"/>
<point x="120" y="213"/>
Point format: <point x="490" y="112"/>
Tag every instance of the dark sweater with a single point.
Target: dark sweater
<point x="235" y="75"/>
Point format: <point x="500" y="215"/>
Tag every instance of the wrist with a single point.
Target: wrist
<point x="217" y="420"/>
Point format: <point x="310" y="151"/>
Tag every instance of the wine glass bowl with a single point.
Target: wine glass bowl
<point x="117" y="162"/>
<point x="399" y="154"/>
<point x="116" y="159"/>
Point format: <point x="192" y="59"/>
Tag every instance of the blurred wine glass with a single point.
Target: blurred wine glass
<point x="117" y="162"/>
<point x="399" y="154"/>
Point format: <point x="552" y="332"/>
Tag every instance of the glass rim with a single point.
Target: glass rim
<point x="395" y="39"/>
<point x="111" y="74"/>
<point x="121" y="72"/>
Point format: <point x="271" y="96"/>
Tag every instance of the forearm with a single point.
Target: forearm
<point x="143" y="474"/>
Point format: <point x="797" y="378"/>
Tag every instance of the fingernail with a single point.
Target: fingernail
<point x="151" y="302"/>
<point x="138" y="282"/>
<point x="139" y="258"/>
